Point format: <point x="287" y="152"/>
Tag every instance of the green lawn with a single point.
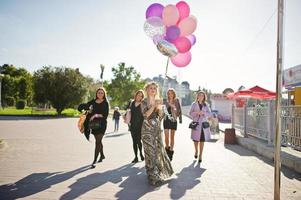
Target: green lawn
<point x="70" y="112"/>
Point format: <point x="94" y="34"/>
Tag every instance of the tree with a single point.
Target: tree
<point x="17" y="83"/>
<point x="41" y="83"/>
<point x="126" y="80"/>
<point x="227" y="91"/>
<point x="62" y="87"/>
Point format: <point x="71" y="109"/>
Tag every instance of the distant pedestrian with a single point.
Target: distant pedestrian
<point x="97" y="121"/>
<point x="116" y="117"/>
<point x="157" y="164"/>
<point x="172" y="112"/>
<point x="199" y="112"/>
<point x="135" y="124"/>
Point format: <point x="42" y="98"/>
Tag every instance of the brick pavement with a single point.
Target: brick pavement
<point x="49" y="159"/>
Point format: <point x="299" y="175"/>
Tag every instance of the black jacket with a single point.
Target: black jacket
<point x="86" y="107"/>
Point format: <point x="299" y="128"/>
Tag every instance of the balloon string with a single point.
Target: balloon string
<point x="165" y="78"/>
<point x="166" y="67"/>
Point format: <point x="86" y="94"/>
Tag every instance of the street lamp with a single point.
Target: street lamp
<point x="1" y="76"/>
<point x="102" y="67"/>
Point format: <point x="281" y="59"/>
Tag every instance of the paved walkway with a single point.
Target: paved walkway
<point x="49" y="159"/>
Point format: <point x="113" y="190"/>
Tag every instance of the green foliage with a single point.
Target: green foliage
<point x="9" y="87"/>
<point x="31" y="111"/>
<point x="62" y="87"/>
<point x="20" y="104"/>
<point x="92" y="87"/>
<point x="10" y="101"/>
<point x="17" y="83"/>
<point x="25" y="88"/>
<point x="125" y="82"/>
<point x="41" y="84"/>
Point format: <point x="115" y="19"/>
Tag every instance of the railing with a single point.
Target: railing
<point x="238" y="118"/>
<point x="255" y="121"/>
<point x="259" y="122"/>
<point x="291" y="126"/>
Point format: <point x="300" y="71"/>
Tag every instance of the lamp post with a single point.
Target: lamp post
<point x="1" y="76"/>
<point x="102" y="67"/>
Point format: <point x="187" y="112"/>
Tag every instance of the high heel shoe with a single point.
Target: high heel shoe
<point x="101" y="158"/>
<point x="93" y="165"/>
<point x="196" y="155"/>
<point x="135" y="160"/>
<point x="142" y="157"/>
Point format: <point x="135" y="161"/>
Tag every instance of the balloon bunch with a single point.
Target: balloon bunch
<point x="171" y="29"/>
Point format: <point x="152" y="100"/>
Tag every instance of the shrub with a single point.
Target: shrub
<point x="9" y="101"/>
<point x="20" y="104"/>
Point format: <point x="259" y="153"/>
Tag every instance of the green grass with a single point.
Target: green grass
<point x="28" y="111"/>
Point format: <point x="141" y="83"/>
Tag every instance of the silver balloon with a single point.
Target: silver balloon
<point x="154" y="26"/>
<point x="167" y="49"/>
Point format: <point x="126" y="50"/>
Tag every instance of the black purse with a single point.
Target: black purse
<point x="193" y="125"/>
<point x="205" y="124"/>
<point x="95" y="124"/>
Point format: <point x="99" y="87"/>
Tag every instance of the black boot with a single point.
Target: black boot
<point x="170" y="155"/>
<point x="167" y="149"/>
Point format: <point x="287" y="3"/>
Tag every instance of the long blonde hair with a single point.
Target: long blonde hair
<point x="147" y="85"/>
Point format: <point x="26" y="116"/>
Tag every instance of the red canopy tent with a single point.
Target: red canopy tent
<point x="255" y="92"/>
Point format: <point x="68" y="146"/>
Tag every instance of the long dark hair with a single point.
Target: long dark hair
<point x="205" y="97"/>
<point x="137" y="92"/>
<point x="104" y="91"/>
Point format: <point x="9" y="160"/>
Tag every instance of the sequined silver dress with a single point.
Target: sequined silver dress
<point x="157" y="164"/>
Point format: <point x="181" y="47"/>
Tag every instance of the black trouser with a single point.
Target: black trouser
<point x="136" y="137"/>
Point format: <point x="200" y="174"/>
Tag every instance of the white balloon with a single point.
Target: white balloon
<point x="154" y="26"/>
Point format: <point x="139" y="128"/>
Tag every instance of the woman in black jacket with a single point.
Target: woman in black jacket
<point x="136" y="124"/>
<point x="98" y="114"/>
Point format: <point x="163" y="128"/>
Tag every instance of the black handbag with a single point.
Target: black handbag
<point x="193" y="125"/>
<point x="95" y="124"/>
<point x="205" y="124"/>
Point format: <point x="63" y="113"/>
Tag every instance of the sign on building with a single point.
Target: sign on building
<point x="292" y="76"/>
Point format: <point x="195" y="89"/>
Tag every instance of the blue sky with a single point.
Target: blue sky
<point x="236" y="39"/>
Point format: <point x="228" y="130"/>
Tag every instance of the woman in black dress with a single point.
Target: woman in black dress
<point x="136" y="124"/>
<point x="98" y="112"/>
<point x="172" y="112"/>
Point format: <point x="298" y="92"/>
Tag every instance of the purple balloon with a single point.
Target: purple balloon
<point x="192" y="39"/>
<point x="154" y="10"/>
<point x="172" y="33"/>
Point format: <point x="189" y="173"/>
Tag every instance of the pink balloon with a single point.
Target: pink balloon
<point x="181" y="59"/>
<point x="188" y="25"/>
<point x="170" y="15"/>
<point x="183" y="44"/>
<point x="184" y="9"/>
